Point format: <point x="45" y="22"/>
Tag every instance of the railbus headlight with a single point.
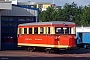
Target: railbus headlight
<point x="55" y="37"/>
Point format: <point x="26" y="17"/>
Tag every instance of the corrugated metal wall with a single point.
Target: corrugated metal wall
<point x="18" y="11"/>
<point x="0" y="31"/>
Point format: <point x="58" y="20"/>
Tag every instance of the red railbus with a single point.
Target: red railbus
<point x="51" y="36"/>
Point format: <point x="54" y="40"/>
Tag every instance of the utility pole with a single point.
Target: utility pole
<point x="53" y="4"/>
<point x="53" y="1"/>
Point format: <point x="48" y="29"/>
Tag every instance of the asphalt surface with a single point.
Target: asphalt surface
<point x="81" y="54"/>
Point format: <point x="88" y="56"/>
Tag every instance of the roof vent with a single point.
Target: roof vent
<point x="65" y="24"/>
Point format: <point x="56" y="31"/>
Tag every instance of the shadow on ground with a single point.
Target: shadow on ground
<point x="78" y="51"/>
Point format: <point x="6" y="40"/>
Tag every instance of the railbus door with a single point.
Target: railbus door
<point x="47" y="34"/>
<point x="50" y="36"/>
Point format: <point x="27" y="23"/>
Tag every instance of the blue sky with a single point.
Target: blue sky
<point x="62" y="2"/>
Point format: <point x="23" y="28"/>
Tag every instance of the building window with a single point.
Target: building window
<point x="12" y="18"/>
<point x="35" y="30"/>
<point x="13" y="24"/>
<point x="4" y="23"/>
<point x="21" y="18"/>
<point x="30" y="30"/>
<point x="4" y="18"/>
<point x="25" y="30"/>
<point x="12" y="29"/>
<point x="5" y="29"/>
<point x="29" y="18"/>
<point x="40" y="5"/>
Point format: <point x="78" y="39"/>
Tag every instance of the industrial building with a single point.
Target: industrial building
<point x="10" y="16"/>
<point x="40" y="5"/>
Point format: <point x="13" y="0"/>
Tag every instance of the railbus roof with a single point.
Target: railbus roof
<point x="45" y="23"/>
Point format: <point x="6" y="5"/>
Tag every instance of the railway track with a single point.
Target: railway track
<point x="82" y="54"/>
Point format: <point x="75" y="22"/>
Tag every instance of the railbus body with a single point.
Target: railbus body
<point x="51" y="36"/>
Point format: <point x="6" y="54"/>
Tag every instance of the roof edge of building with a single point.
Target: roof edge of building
<point x="25" y="7"/>
<point x="5" y="2"/>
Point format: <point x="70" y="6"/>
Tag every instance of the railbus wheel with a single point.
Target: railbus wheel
<point x="87" y="46"/>
<point x="48" y="51"/>
<point x="31" y="49"/>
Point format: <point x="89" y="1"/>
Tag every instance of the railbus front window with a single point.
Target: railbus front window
<point x="66" y="30"/>
<point x="62" y="30"/>
<point x="59" y="30"/>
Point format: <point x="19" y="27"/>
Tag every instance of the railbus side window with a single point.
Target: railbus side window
<point x="44" y="30"/>
<point x="52" y="30"/>
<point x="35" y="30"/>
<point x="41" y="30"/>
<point x="25" y="30"/>
<point x="20" y="30"/>
<point x="30" y="30"/>
<point x="73" y="30"/>
<point x="48" y="30"/>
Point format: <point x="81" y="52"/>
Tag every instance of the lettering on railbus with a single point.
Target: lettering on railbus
<point x="28" y="39"/>
<point x="38" y="39"/>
